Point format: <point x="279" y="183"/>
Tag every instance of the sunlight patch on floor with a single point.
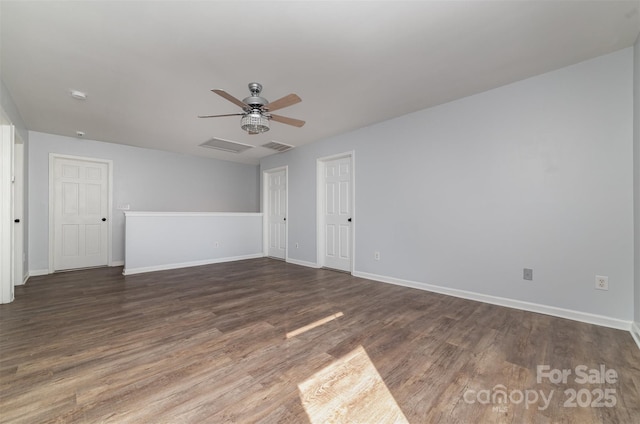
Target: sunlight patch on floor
<point x="313" y="325"/>
<point x="350" y="390"/>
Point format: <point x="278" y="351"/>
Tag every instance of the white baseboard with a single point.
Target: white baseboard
<point x="117" y="263"/>
<point x="38" y="272"/>
<point x="131" y="271"/>
<point x="635" y="332"/>
<point x="302" y="263"/>
<point x="502" y="301"/>
<point x="24" y="280"/>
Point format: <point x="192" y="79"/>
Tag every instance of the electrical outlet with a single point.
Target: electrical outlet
<point x="376" y="256"/>
<point x="527" y="274"/>
<point x="602" y="282"/>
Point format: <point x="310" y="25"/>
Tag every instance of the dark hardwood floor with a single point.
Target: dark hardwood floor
<point x="210" y="345"/>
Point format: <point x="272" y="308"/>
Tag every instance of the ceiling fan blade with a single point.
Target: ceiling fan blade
<point x="288" y="100"/>
<point x="229" y="97"/>
<point x="289" y="121"/>
<point x="219" y="116"/>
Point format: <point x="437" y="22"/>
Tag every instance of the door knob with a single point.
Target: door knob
<point x="16" y="220"/>
<point x="285" y="219"/>
<point x="349" y="219"/>
<point x="104" y="219"/>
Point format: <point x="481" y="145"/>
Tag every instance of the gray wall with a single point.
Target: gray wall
<point x="13" y="114"/>
<point x="636" y="173"/>
<point x="148" y="180"/>
<point x="538" y="174"/>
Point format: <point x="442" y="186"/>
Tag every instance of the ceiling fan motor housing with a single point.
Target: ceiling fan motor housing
<point x="255" y="101"/>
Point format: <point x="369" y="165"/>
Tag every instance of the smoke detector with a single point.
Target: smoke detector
<point x="79" y="95"/>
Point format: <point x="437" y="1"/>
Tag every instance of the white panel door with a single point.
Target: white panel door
<point x="277" y="210"/>
<point x="81" y="199"/>
<point x="337" y="214"/>
<point x="18" y="213"/>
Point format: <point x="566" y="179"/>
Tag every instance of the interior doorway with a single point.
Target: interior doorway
<point x="79" y="212"/>
<point x="335" y="230"/>
<point x="275" y="212"/>
<point x="19" y="224"/>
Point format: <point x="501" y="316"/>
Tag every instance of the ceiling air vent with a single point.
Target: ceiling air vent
<point x="279" y="147"/>
<point x="226" y="145"/>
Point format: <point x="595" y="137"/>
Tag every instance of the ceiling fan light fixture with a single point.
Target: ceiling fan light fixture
<point x="254" y="122"/>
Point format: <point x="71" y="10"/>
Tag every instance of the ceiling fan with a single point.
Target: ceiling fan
<point x="256" y="110"/>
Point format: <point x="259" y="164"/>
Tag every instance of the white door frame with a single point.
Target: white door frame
<point x="265" y="209"/>
<point x="320" y="234"/>
<point x="7" y="141"/>
<point x="109" y="163"/>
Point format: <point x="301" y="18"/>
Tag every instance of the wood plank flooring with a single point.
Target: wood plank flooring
<point x="209" y="345"/>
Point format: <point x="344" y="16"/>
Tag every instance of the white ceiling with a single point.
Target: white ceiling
<point x="148" y="66"/>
